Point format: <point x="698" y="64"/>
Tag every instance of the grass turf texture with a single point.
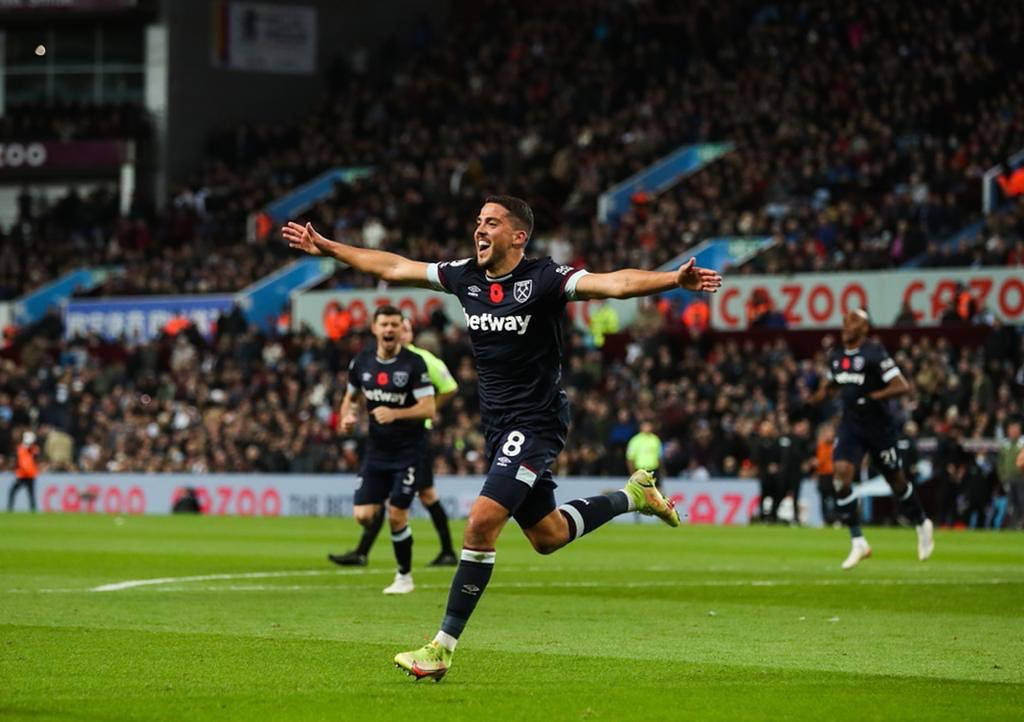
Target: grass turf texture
<point x="632" y="622"/>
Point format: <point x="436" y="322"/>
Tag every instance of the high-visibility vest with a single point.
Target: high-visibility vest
<point x="824" y="456"/>
<point x="26" y="462"/>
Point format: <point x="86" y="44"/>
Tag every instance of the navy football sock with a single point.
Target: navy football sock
<point x="585" y="515"/>
<point x="468" y="585"/>
<point x="847" y="511"/>
<point x="440" y="519"/>
<point x="910" y="505"/>
<point x="370" y="532"/>
<point x="401" y="540"/>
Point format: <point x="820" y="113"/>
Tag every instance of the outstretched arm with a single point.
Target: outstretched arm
<point x="386" y="266"/>
<point x="632" y="282"/>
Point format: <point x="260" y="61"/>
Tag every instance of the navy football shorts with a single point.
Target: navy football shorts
<point x="853" y="440"/>
<point x="425" y="473"/>
<point x="520" y="476"/>
<point x="397" y="485"/>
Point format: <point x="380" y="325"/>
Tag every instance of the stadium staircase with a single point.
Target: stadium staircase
<point x="659" y="177"/>
<point x="31" y="307"/>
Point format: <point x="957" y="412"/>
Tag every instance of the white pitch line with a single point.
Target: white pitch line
<point x="132" y="583"/>
<point x="583" y="585"/>
<point x="178" y="583"/>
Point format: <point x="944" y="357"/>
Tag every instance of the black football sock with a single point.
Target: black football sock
<point x="910" y="506"/>
<point x="440" y="519"/>
<point x="370" y="532"/>
<point x="847" y="511"/>
<point x="401" y="540"/>
<point x="468" y="585"/>
<point x="585" y="515"/>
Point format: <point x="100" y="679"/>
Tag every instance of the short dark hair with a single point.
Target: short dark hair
<point x="387" y="310"/>
<point x="518" y="209"/>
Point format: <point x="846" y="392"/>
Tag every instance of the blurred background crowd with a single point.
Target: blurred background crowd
<point x="844" y="157"/>
<point x="244" y="401"/>
<point x="861" y="133"/>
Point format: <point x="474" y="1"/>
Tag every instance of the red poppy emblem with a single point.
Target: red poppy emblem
<point x="382" y="378"/>
<point x="846" y="363"/>
<point x="497" y="293"/>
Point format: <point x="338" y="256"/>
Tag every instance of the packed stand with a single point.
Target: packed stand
<point x="24" y="122"/>
<point x="188" y="250"/>
<point x="861" y="133"/>
<point x="246" y="402"/>
<point x="864" y="159"/>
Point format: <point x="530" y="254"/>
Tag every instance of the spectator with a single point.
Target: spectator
<point x="26" y="472"/>
<point x="644" y="450"/>
<point x="1010" y="474"/>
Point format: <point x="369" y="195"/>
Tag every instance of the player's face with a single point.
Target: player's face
<point x="387" y="330"/>
<point x="855" y="328"/>
<point x="495" y="236"/>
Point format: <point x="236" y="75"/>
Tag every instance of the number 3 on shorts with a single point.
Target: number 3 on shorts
<point x="513" y="443"/>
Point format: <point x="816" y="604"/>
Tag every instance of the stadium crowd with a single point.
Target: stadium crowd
<point x="248" y="402"/>
<point x="188" y="250"/>
<point x="68" y="121"/>
<point x="843" y="156"/>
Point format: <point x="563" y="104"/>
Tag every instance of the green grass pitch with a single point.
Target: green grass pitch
<point x="633" y="622"/>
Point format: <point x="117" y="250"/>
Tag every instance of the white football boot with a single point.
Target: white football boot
<point x="925" y="539"/>
<point x="402" y="584"/>
<point x="859" y="550"/>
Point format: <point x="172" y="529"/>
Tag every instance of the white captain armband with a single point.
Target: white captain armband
<point x="434" y="277"/>
<point x="422" y="392"/>
<point x="571" y="281"/>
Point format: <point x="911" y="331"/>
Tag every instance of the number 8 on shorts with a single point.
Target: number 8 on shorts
<point x="513" y="443"/>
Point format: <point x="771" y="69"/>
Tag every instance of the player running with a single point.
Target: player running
<point x="514" y="309"/>
<point x="444" y="389"/>
<point x="867" y="379"/>
<point x="395" y="383"/>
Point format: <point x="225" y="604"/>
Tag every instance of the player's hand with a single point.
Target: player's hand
<point x="348" y="424"/>
<point x="304" y="238"/>
<point x="384" y="414"/>
<point x="694" y="278"/>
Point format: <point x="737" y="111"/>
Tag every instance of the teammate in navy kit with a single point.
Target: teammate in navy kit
<point x="867" y="378"/>
<point x="399" y="396"/>
<point x="444" y="389"/>
<point x="514" y="309"/>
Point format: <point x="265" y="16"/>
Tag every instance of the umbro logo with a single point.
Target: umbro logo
<point x="473" y="290"/>
<point x="471" y="589"/>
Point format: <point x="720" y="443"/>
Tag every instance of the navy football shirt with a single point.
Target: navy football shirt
<point x="858" y="373"/>
<point x="515" y="326"/>
<point x="398" y="382"/>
